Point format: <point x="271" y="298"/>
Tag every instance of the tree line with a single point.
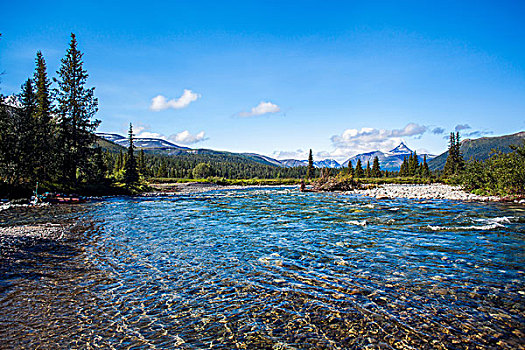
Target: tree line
<point x="47" y="132"/>
<point x="502" y="174"/>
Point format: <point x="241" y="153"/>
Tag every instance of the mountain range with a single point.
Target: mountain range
<point x="390" y="160"/>
<point x="477" y="149"/>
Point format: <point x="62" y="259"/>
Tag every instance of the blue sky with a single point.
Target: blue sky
<point x="281" y="77"/>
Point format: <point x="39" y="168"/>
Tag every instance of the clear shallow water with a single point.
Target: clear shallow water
<point x="270" y="268"/>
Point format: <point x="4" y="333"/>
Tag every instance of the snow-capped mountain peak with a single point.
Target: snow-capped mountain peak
<point x="401" y="149"/>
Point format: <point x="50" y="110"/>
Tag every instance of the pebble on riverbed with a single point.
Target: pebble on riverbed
<point x="39" y="231"/>
<point x="432" y="191"/>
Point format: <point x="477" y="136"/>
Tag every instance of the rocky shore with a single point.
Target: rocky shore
<point x="37" y="231"/>
<point x="427" y="191"/>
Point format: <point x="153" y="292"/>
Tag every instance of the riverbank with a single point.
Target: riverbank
<point x="426" y="191"/>
<point x="200" y="187"/>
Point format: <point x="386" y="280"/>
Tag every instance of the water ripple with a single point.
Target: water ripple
<point x="270" y="268"/>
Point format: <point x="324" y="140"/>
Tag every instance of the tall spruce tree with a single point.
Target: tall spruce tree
<point x="376" y="169"/>
<point x="45" y="150"/>
<point x="449" y="164"/>
<point x="425" y="171"/>
<point x="77" y="106"/>
<point x="460" y="162"/>
<point x="368" y="171"/>
<point x="359" y="169"/>
<point x="310" y="169"/>
<point x="142" y="164"/>
<point x="8" y="141"/>
<point x="403" y="170"/>
<point x="350" y="168"/>
<point x="455" y="163"/>
<point x="131" y="174"/>
<point x="25" y="131"/>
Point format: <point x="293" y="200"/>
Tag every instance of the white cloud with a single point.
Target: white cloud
<point x="159" y="103"/>
<point x="297" y="154"/>
<point x="354" y="141"/>
<point x="260" y="109"/>
<point x="186" y="138"/>
<point x="183" y="137"/>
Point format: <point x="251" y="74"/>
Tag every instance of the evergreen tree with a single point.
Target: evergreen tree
<point x="368" y="171"/>
<point x="76" y="108"/>
<point x="455" y="163"/>
<point x="425" y="171"/>
<point x="7" y="142"/>
<point x="45" y="150"/>
<point x="359" y="169"/>
<point x="25" y="132"/>
<point x="131" y="174"/>
<point x="413" y="164"/>
<point x="162" y="171"/>
<point x="450" y="165"/>
<point x="460" y="162"/>
<point x="350" y="168"/>
<point x="310" y="169"/>
<point x="403" y="170"/>
<point x="376" y="169"/>
<point x="142" y="164"/>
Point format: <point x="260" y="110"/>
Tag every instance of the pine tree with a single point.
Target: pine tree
<point x="162" y="171"/>
<point x="450" y="165"/>
<point x="460" y="162"/>
<point x="350" y="168"/>
<point x="376" y="169"/>
<point x="25" y="131"/>
<point x="403" y="170"/>
<point x="310" y="169"/>
<point x="359" y="169"/>
<point x="131" y="174"/>
<point x="76" y="108"/>
<point x="8" y="141"/>
<point x="119" y="164"/>
<point x="368" y="171"/>
<point x="413" y="164"/>
<point x="425" y="171"/>
<point x="142" y="163"/>
<point x="45" y="150"/>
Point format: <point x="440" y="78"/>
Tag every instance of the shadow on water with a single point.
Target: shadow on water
<point x="269" y="268"/>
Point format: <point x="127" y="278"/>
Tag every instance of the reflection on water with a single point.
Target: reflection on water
<point x="272" y="269"/>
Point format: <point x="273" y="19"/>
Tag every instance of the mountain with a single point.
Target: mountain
<point x="401" y="149"/>
<point x="112" y="142"/>
<point x="326" y="163"/>
<point x="390" y="160"/>
<point x="108" y="145"/>
<point x="259" y="158"/>
<point x="110" y="137"/>
<point x="480" y="149"/>
<point x="141" y="142"/>
<point x="292" y="163"/>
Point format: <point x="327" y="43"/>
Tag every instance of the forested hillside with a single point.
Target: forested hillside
<point x="480" y="149"/>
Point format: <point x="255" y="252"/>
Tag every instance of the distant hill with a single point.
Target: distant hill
<point x="480" y="149"/>
<point x="108" y="145"/>
<point x="390" y="160"/>
<point x="113" y="141"/>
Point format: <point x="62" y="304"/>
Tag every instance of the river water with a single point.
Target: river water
<point x="269" y="269"/>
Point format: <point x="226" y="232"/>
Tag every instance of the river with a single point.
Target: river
<point x="269" y="269"/>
